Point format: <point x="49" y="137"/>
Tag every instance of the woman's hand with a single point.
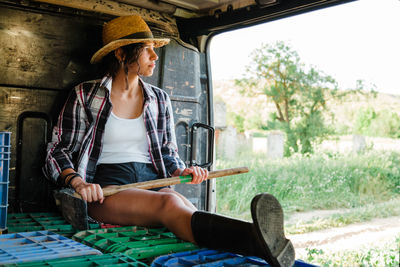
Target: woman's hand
<point x="89" y="192"/>
<point x="198" y="174"/>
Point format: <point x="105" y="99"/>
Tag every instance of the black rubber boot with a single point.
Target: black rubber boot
<point x="264" y="238"/>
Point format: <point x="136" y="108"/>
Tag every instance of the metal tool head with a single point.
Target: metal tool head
<point x="74" y="210"/>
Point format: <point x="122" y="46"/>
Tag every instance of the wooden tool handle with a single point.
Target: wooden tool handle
<point x="108" y="191"/>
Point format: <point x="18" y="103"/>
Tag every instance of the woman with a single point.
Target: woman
<point x="120" y="130"/>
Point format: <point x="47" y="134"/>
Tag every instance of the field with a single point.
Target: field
<point x="344" y="188"/>
<point x="342" y="208"/>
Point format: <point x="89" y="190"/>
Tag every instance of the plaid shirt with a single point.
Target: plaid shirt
<point x="78" y="136"/>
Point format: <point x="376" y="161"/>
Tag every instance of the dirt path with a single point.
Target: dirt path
<point x="309" y="215"/>
<point x="374" y="233"/>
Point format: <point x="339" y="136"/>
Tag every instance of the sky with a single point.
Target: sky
<point x="354" y="41"/>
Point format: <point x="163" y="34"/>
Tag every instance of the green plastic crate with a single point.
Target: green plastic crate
<point x="137" y="242"/>
<point x="27" y="222"/>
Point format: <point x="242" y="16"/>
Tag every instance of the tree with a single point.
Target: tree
<point x="383" y="123"/>
<point x="299" y="94"/>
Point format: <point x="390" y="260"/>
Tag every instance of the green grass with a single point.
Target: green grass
<point x="387" y="255"/>
<point x="304" y="183"/>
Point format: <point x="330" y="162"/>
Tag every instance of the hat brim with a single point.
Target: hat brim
<point x="102" y="52"/>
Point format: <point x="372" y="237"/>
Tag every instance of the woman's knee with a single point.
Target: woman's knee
<point x="169" y="201"/>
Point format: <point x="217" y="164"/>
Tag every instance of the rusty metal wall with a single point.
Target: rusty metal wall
<point x="44" y="51"/>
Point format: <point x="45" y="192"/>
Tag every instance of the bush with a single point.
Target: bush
<point x="237" y="121"/>
<point x="383" y="123"/>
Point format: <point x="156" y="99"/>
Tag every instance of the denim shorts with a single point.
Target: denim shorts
<point x="125" y="173"/>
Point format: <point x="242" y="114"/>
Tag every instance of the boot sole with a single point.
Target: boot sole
<point x="267" y="217"/>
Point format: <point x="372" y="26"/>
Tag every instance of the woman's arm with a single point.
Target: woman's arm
<point x="88" y="191"/>
<point x="172" y="161"/>
<point x="65" y="140"/>
<point x="169" y="148"/>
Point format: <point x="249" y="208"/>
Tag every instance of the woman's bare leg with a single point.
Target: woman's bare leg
<point x="185" y="200"/>
<point x="146" y="208"/>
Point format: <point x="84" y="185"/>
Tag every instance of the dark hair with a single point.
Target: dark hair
<point x="110" y="64"/>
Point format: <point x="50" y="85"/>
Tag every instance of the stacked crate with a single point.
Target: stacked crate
<point x="137" y="242"/>
<point x="213" y="258"/>
<point x="5" y="155"/>
<point x="39" y="245"/>
<point x="51" y="221"/>
<point x="31" y="234"/>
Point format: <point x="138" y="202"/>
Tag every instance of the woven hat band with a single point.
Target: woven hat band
<point x="139" y="35"/>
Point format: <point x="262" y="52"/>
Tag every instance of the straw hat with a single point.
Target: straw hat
<point x="124" y="31"/>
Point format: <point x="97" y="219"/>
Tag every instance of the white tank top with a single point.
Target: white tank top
<point x="124" y="141"/>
